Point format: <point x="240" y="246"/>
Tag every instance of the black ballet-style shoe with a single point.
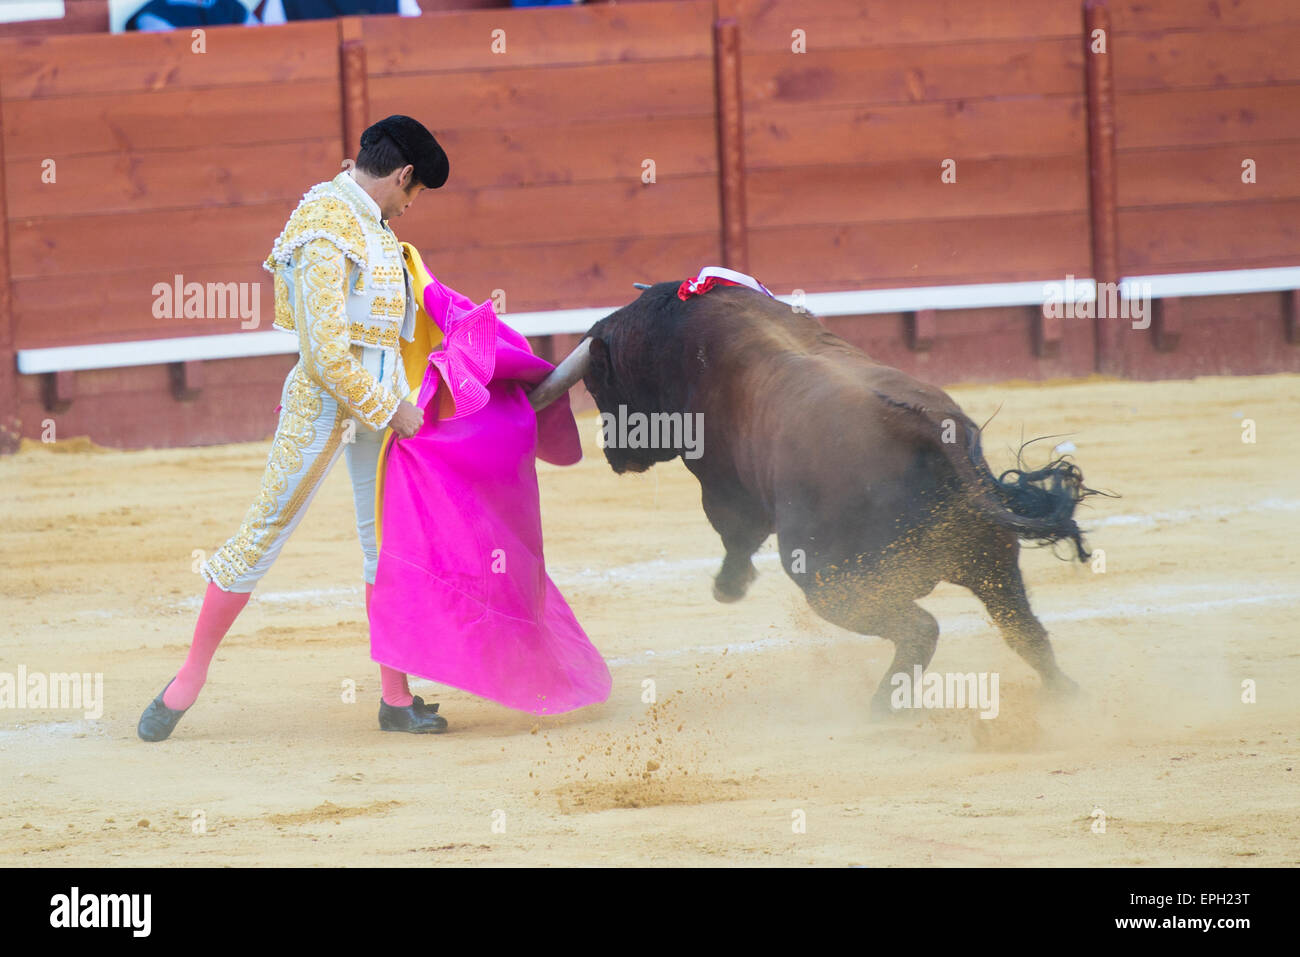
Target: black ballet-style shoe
<point x="158" y="721"/>
<point x="415" y="718"/>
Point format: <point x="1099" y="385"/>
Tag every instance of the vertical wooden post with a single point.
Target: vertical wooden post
<point x="920" y="329"/>
<point x="1046" y="332"/>
<point x="1167" y="323"/>
<point x="10" y="425"/>
<point x="731" y="140"/>
<point x="1102" y="193"/>
<point x="353" y="83"/>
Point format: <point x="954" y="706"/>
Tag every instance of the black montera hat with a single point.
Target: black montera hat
<point x="416" y="145"/>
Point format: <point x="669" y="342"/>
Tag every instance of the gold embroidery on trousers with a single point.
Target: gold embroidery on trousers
<point x="297" y="431"/>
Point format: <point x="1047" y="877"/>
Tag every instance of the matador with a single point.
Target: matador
<point x="342" y="286"/>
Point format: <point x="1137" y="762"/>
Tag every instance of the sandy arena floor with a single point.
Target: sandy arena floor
<point x="761" y="707"/>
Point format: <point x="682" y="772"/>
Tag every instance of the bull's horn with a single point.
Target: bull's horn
<point x="565" y="376"/>
<point x="641" y="285"/>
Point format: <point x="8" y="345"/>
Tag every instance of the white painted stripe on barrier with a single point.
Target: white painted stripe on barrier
<point x="114" y="355"/>
<point x="1233" y="282"/>
<point x="859" y="302"/>
<point x="863" y="302"/>
<point x="556" y="322"/>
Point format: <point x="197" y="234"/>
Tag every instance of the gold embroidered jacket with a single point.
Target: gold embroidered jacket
<point x="340" y="283"/>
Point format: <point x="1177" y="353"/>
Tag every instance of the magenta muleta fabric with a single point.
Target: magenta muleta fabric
<point x="461" y="596"/>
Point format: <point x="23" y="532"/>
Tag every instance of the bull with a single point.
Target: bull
<point x="875" y="483"/>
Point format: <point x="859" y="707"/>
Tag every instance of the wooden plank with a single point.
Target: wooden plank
<point x="1210" y="58"/>
<point x="540" y="37"/>
<point x="187" y="380"/>
<point x="1207" y="174"/>
<point x="567" y="213"/>
<point x="1218" y="335"/>
<point x="1150" y="15"/>
<point x="573" y="152"/>
<point x="354" y="86"/>
<point x="1225" y="236"/>
<point x="974" y="345"/>
<point x="731" y="143"/>
<point x="170" y="119"/>
<point x="930" y="253"/>
<point x="574" y="275"/>
<point x="1166" y="326"/>
<point x="849" y="24"/>
<point x="171" y="179"/>
<point x="152" y="62"/>
<point x="50" y="313"/>
<point x="168" y="240"/>
<point x="546" y="96"/>
<point x="912" y="190"/>
<point x="927" y="132"/>
<point x="58" y="389"/>
<point x="1245" y="114"/>
<point x="10" y="425"/>
<point x="237" y="404"/>
<point x="913" y="74"/>
<point x="1047" y="333"/>
<point x="79" y="16"/>
<point x="1102" y="179"/>
<point x="921" y="329"/>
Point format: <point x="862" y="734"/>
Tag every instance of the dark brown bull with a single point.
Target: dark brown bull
<point x="874" y="483"/>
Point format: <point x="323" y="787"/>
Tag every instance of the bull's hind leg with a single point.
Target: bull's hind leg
<point x="998" y="584"/>
<point x="912" y="629"/>
<point x="743" y="529"/>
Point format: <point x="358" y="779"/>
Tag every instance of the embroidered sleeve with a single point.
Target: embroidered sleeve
<point x="319" y="216"/>
<point x="321" y="317"/>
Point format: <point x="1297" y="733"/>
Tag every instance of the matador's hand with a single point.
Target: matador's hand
<point x="407" y="419"/>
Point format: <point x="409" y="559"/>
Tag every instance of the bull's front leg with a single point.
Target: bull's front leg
<point x="743" y="527"/>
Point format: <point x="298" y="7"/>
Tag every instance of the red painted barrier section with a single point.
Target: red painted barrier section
<point x="823" y="144"/>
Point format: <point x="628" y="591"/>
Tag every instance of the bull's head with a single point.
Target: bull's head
<point x="629" y="359"/>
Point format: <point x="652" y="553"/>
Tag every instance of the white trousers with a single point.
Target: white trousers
<point x="313" y="430"/>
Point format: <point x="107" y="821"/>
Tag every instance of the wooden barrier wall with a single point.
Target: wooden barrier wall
<point x="631" y="142"/>
<point x="550" y="135"/>
<point x="845" y="147"/>
<point x="1200" y="87"/>
<point x="166" y="162"/>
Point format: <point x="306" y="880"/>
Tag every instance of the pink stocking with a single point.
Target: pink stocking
<point x="395" y="690"/>
<point x="220" y="608"/>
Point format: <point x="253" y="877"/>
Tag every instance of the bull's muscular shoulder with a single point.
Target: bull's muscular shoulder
<point x="320" y="215"/>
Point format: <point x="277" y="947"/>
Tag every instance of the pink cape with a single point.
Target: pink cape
<point x="462" y="596"/>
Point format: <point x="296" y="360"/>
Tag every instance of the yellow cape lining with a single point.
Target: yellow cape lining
<point x="415" y="359"/>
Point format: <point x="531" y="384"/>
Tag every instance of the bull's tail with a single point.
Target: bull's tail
<point x="1038" y="505"/>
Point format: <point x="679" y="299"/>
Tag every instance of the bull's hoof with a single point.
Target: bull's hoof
<point x="731" y="588"/>
<point x="1060" y="687"/>
<point x="882" y="709"/>
<point x="727" y="597"/>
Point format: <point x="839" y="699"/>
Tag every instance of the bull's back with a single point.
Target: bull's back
<point x="843" y="450"/>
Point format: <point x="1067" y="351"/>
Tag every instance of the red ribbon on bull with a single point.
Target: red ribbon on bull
<point x="710" y="276"/>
